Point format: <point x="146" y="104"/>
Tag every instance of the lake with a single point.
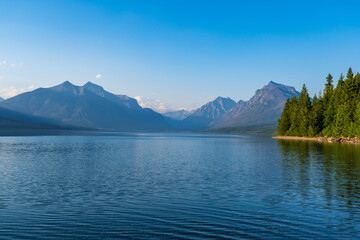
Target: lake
<point x="177" y="186"/>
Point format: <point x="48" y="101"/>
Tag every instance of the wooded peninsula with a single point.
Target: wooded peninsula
<point x="333" y="113"/>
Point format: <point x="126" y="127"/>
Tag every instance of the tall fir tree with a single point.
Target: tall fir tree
<point x="293" y="109"/>
<point x="317" y="115"/>
<point x="331" y="111"/>
<point x="284" y="120"/>
<point x="304" y="111"/>
<point x="328" y="91"/>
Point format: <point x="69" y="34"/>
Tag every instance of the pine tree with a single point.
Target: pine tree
<point x="338" y="127"/>
<point x="311" y="132"/>
<point x="304" y="110"/>
<point x="317" y="115"/>
<point x="331" y="111"/>
<point x="293" y="109"/>
<point x="328" y="91"/>
<point x="350" y="74"/>
<point x="284" y="120"/>
<point x="348" y="102"/>
<point x="352" y="130"/>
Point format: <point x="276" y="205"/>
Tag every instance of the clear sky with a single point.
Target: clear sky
<point x="174" y="53"/>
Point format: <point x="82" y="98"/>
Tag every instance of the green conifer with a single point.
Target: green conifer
<point x="284" y="120"/>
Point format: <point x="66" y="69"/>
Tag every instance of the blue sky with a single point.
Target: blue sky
<point x="174" y="54"/>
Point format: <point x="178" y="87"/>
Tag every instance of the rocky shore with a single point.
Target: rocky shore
<point x="322" y="139"/>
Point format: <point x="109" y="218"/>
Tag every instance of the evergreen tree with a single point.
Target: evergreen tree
<point x="352" y="130"/>
<point x="284" y="120"/>
<point x="304" y="110"/>
<point x="331" y="111"/>
<point x="336" y="113"/>
<point x="311" y="132"/>
<point x="293" y="109"/>
<point x="328" y="91"/>
<point x="350" y="74"/>
<point x="338" y="127"/>
<point x="317" y="115"/>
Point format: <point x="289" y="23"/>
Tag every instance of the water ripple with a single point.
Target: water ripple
<point x="177" y="186"/>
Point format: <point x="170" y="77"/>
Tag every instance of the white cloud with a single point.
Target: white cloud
<point x="12" y="65"/>
<point x="30" y="88"/>
<point x="15" y="64"/>
<point x="13" y="91"/>
<point x="156" y="104"/>
<point x="98" y="76"/>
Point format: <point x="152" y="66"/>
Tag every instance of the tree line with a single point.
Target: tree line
<point x="334" y="113"/>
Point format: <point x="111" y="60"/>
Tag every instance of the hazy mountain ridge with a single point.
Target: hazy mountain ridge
<point x="91" y="106"/>
<point x="202" y="117"/>
<point x="1" y="99"/>
<point x="87" y="106"/>
<point x="264" y="107"/>
<point x="178" y="115"/>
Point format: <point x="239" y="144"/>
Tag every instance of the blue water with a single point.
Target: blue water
<point x="177" y="186"/>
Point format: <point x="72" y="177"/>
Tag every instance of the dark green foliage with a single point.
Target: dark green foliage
<point x="336" y="113"/>
<point x="284" y="120"/>
<point x="317" y="115"/>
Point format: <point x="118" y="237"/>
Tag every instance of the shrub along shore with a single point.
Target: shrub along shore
<point x="322" y="139"/>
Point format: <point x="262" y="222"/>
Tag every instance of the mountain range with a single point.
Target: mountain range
<point x="264" y="108"/>
<point x="90" y="106"/>
<point x="87" y="106"/>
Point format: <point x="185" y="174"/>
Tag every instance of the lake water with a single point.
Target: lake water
<point x="176" y="186"/>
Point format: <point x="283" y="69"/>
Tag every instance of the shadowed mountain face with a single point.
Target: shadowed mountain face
<point x="264" y="107"/>
<point x="87" y="106"/>
<point x="202" y="117"/>
<point x="1" y="99"/>
<point x="12" y="122"/>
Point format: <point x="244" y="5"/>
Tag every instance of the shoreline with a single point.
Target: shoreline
<point x="321" y="139"/>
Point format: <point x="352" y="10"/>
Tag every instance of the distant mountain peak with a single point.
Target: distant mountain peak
<point x="203" y="116"/>
<point x="219" y="98"/>
<point x="90" y="84"/>
<point x="67" y="87"/>
<point x="94" y="88"/>
<point x="66" y="84"/>
<point x="264" y="107"/>
<point x="122" y="100"/>
<point x="274" y="83"/>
